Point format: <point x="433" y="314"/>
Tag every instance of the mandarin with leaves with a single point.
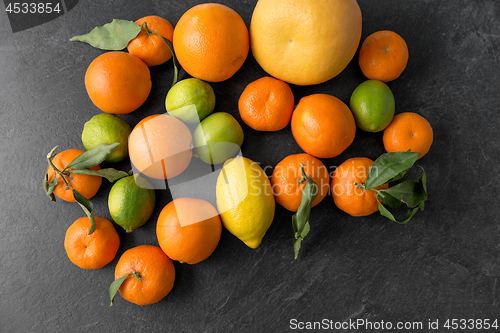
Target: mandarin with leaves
<point x="86" y="185"/>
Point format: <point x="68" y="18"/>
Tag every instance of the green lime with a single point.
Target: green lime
<point x="131" y="202"/>
<point x="107" y="128"/>
<point x="217" y="138"/>
<point x="190" y="100"/>
<point x="372" y="104"/>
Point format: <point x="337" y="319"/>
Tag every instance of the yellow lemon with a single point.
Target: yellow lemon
<point x="305" y="42"/>
<point x="245" y="200"/>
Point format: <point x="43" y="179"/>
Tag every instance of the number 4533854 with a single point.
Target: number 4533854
<point x="33" y="8"/>
<point x="471" y="324"/>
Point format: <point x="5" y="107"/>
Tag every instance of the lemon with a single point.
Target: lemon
<point x="190" y="100"/>
<point x="245" y="200"/>
<point x="131" y="202"/>
<point x="107" y="128"/>
<point x="217" y="138"/>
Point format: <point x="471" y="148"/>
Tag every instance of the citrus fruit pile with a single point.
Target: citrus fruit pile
<point x="306" y="44"/>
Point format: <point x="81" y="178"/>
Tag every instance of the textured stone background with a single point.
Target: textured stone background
<point x="444" y="264"/>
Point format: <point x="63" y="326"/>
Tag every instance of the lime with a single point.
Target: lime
<point x="107" y="128"/>
<point x="372" y="104"/>
<point x="217" y="138"/>
<point x="131" y="202"/>
<point x="190" y="100"/>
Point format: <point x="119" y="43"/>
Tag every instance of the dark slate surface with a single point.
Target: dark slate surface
<point x="444" y="264"/>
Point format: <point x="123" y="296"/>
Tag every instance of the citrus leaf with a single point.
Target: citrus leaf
<point x="385" y="212"/>
<point x="49" y="187"/>
<point x="388" y="199"/>
<point x="87" y="207"/>
<point x="389" y="166"/>
<point x="410" y="192"/>
<point x="300" y="220"/>
<point x="111" y="36"/>
<point x="91" y="157"/>
<point x="110" y="174"/>
<point x="113" y="288"/>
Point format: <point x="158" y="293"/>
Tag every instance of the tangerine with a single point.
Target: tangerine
<point x="160" y="146"/>
<point x="86" y="185"/>
<point x="118" y="82"/>
<point x="152" y="278"/>
<point x="383" y="56"/>
<point x="149" y="47"/>
<point x="211" y="42"/>
<point x="347" y="195"/>
<point x="95" y="250"/>
<point x="288" y="181"/>
<point x="266" y="104"/>
<point x="323" y="125"/>
<point x="188" y="230"/>
<point x="408" y="131"/>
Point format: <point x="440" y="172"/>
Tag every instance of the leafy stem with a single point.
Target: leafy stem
<point x="82" y="165"/>
<point x="300" y="221"/>
<point x="391" y="167"/>
<point x="115" y="286"/>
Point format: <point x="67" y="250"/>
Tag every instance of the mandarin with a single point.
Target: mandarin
<point x="266" y="104"/>
<point x="160" y="146"/>
<point x="323" y="125"/>
<point x="288" y="181"/>
<point x="188" y="230"/>
<point x="211" y="42"/>
<point x="408" y="131"/>
<point x="149" y="47"/>
<point x="347" y="195"/>
<point x="95" y="250"/>
<point x="86" y="185"/>
<point x="152" y="274"/>
<point x="118" y="82"/>
<point x="383" y="56"/>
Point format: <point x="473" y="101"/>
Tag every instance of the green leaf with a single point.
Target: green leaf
<point x="87" y="207"/>
<point x="300" y="221"/>
<point x="113" y="288"/>
<point x="111" y="36"/>
<point x="49" y="187"/>
<point x="110" y="174"/>
<point x="92" y="157"/>
<point x="410" y="192"/>
<point x="385" y="212"/>
<point x="388" y="199"/>
<point x="389" y="166"/>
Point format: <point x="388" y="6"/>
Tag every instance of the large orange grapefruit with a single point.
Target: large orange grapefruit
<point x="305" y="42"/>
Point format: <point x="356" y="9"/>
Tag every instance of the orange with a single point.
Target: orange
<point x="150" y="48"/>
<point x="347" y="195"/>
<point x="84" y="184"/>
<point x="118" y="82"/>
<point x="188" y="230"/>
<point x="323" y="125"/>
<point x="305" y="42"/>
<point x="408" y="130"/>
<point x="211" y="42"/>
<point x="159" y="146"/>
<point x="152" y="278"/>
<point x="288" y="181"/>
<point x="383" y="56"/>
<point x="266" y="104"/>
<point x="95" y="250"/>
